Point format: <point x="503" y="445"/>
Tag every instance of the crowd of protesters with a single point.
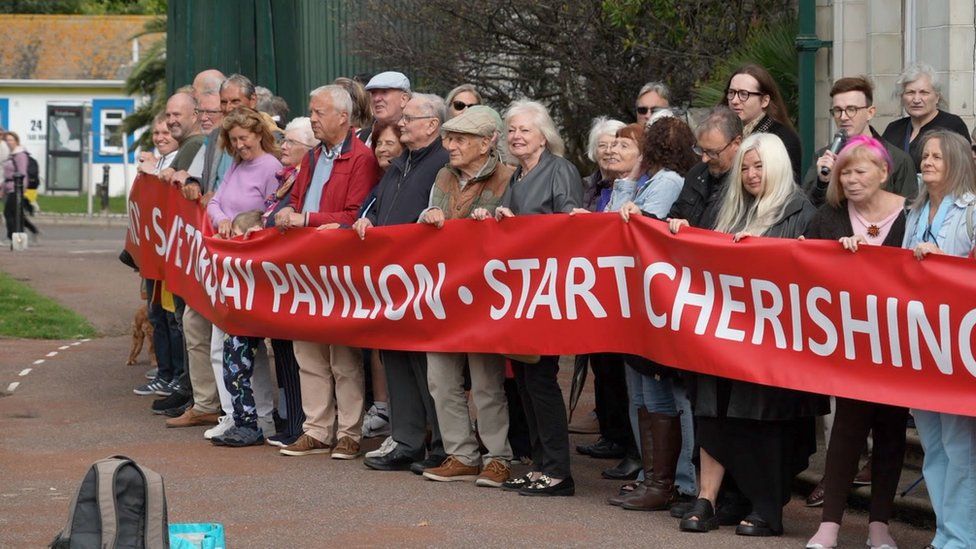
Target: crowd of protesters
<point x="709" y="450"/>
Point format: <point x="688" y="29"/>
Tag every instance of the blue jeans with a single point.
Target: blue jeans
<point x="167" y="337"/>
<point x="666" y="396"/>
<point x="949" y="442"/>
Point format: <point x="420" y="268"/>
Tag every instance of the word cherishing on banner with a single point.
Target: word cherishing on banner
<point x="877" y="325"/>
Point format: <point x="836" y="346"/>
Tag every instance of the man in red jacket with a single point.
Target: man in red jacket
<point x="333" y="180"/>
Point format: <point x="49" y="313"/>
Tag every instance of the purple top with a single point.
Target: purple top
<point x="15" y="163"/>
<point x="244" y="188"/>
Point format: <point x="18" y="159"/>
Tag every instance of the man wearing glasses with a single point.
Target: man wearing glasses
<point x="852" y="110"/>
<point x="401" y="196"/>
<point x="652" y="97"/>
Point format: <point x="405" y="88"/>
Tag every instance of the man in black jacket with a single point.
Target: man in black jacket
<point x="402" y="194"/>
<point x="719" y="136"/>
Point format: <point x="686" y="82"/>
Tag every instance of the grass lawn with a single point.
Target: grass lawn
<point x="78" y="204"/>
<point x="27" y="314"/>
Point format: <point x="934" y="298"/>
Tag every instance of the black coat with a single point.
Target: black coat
<point x="404" y="191"/>
<point x="700" y="197"/>
<point x="899" y="132"/>
<point x="789" y="138"/>
<point x="760" y="402"/>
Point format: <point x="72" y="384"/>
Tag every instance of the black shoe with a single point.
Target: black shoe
<point x="706" y="520"/>
<point x="627" y="469"/>
<point x="174" y="400"/>
<point x="515" y="484"/>
<point x="731" y="513"/>
<point x="603" y="449"/>
<point x="177" y="411"/>
<point x="757" y="528"/>
<point x="543" y="487"/>
<point x="394" y="461"/>
<point x="680" y="507"/>
<point x="418" y="467"/>
<point x="239" y="436"/>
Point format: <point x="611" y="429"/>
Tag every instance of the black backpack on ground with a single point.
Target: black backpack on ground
<point x="119" y="504"/>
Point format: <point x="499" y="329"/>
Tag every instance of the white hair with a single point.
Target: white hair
<point x="542" y="121"/>
<point x="659" y="88"/>
<point x="602" y="125"/>
<point x="739" y="212"/>
<point x="431" y="105"/>
<point x="915" y="71"/>
<point x="303" y="125"/>
<point x="341" y="100"/>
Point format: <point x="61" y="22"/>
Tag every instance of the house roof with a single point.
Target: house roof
<point x="70" y="47"/>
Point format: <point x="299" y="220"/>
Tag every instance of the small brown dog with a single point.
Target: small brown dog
<point x="141" y="329"/>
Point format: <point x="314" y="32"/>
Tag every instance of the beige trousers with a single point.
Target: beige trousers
<point x="196" y="334"/>
<point x="331" y="377"/>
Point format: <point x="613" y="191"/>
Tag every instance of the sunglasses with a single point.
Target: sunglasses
<point x="652" y="110"/>
<point x="461" y="105"/>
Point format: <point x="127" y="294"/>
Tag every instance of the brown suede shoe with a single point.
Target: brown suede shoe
<point x="452" y="469"/>
<point x="305" y="446"/>
<point x="346" y="448"/>
<point x="192" y="418"/>
<point x="494" y="474"/>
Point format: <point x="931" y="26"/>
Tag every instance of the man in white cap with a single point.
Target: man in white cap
<point x="390" y="92"/>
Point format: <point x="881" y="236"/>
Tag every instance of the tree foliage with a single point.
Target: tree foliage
<point x="84" y="7"/>
<point x="583" y="58"/>
<point x="148" y="78"/>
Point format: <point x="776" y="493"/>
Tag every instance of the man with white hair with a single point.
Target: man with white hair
<point x="402" y="195"/>
<point x="652" y="97"/>
<point x="333" y="180"/>
<point x="207" y="82"/>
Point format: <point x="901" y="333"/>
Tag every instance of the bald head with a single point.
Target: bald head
<point x="207" y="82"/>
<point x="181" y="117"/>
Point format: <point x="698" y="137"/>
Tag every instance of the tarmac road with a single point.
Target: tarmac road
<point x="77" y="406"/>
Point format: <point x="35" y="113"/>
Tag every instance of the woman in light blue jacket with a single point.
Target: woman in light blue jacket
<point x="937" y="224"/>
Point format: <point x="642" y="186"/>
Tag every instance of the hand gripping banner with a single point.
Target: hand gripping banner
<point x="877" y="325"/>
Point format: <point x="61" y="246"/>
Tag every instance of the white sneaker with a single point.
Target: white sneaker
<point x="376" y="422"/>
<point x="267" y="426"/>
<point x="223" y="424"/>
<point x="388" y="446"/>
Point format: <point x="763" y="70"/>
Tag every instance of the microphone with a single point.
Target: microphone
<point x="840" y="139"/>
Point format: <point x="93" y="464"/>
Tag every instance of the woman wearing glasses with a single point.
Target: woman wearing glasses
<point x="921" y="97"/>
<point x="859" y="212"/>
<point x="460" y="98"/>
<point x="937" y="224"/>
<point x="762" y="436"/>
<point x="753" y="94"/>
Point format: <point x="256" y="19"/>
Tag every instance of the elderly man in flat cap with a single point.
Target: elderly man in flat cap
<point x="389" y="92"/>
<point x="473" y="178"/>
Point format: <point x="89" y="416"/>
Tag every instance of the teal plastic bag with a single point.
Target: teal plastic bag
<point x="207" y="535"/>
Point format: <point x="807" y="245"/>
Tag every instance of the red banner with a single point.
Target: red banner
<point x="877" y="325"/>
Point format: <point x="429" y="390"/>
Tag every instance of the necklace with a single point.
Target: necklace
<point x="873" y="229"/>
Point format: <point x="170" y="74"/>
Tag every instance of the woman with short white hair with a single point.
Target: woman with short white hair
<point x="598" y="185"/>
<point x="920" y="92"/>
<point x="543" y="183"/>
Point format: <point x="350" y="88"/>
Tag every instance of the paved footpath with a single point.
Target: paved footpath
<point x="77" y="406"/>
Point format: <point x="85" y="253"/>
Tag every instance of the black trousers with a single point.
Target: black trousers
<point x="518" y="426"/>
<point x="286" y="370"/>
<point x="853" y="421"/>
<point x="411" y="406"/>
<point x="10" y="214"/>
<point x="546" y="413"/>
<point x="610" y="390"/>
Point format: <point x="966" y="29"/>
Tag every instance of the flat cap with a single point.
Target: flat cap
<point x="389" y="80"/>
<point x="476" y="120"/>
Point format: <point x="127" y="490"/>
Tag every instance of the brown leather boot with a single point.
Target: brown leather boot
<point x="664" y="434"/>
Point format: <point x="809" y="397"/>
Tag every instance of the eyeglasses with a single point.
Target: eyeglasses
<point x="850" y="110"/>
<point x="198" y="112"/>
<point x="408" y="119"/>
<point x="743" y="95"/>
<point x="711" y="154"/>
<point x="644" y="110"/>
<point x="296" y="143"/>
<point x="461" y="105"/>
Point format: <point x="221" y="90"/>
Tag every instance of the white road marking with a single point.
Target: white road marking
<point x="87" y="339"/>
<point x="91" y="251"/>
<point x="76" y="343"/>
<point x="39" y="361"/>
<point x="13" y="386"/>
<point x="25" y="371"/>
<point x="63" y="347"/>
<point x="52" y="353"/>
